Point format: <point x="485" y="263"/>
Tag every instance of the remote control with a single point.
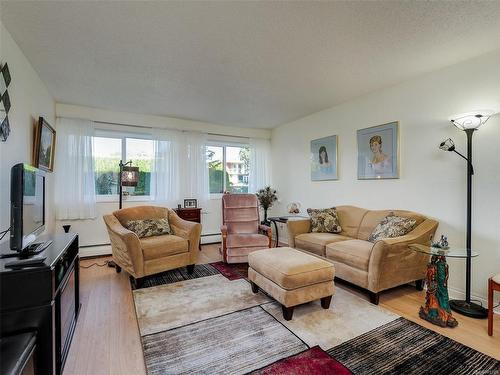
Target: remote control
<point x="30" y="262"/>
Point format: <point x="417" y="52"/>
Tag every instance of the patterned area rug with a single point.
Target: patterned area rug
<point x="233" y="271"/>
<point x="235" y="343"/>
<point x="313" y="361"/>
<point x="404" y="347"/>
<point x="179" y="274"/>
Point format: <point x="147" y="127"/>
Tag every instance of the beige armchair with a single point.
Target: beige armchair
<point x="142" y="257"/>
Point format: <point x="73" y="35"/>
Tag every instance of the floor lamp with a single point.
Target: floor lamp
<point x="128" y="176"/>
<point x="469" y="123"/>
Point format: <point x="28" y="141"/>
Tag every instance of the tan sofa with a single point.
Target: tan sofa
<point x="142" y="257"/>
<point x="373" y="266"/>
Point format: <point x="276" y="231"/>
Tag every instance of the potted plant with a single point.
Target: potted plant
<point x="266" y="197"/>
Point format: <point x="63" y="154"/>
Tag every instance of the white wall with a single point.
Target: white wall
<point x="29" y="99"/>
<point x="431" y="181"/>
<point x="93" y="232"/>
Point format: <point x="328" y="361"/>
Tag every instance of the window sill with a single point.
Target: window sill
<point x="114" y="199"/>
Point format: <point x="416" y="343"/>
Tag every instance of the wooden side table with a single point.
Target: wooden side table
<point x="190" y="214"/>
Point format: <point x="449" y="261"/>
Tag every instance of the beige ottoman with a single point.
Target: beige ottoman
<point x="291" y="277"/>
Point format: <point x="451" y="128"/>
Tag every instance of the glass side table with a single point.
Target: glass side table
<point x="283" y="219"/>
<point x="437" y="305"/>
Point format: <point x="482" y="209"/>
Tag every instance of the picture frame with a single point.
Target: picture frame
<point x="324" y="158"/>
<point x="44" y="147"/>
<point x="190" y="203"/>
<point x="378" y="152"/>
<point x="6" y="74"/>
<point x="4" y="129"/>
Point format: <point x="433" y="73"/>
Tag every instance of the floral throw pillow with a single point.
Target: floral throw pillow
<point x="324" y="220"/>
<point x="392" y="226"/>
<point x="148" y="227"/>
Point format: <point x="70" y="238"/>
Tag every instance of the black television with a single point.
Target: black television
<point x="27" y="205"/>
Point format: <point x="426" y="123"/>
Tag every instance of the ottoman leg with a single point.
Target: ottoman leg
<point x="287" y="312"/>
<point x="255" y="287"/>
<point x="325" y="302"/>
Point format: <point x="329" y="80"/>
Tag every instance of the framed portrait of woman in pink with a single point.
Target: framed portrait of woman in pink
<point x="378" y="152"/>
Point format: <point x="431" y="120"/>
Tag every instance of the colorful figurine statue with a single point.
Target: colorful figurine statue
<point x="437" y="308"/>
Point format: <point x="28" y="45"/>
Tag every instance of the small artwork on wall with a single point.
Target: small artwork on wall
<point x="45" y="141"/>
<point x="378" y="152"/>
<point x="324" y="159"/>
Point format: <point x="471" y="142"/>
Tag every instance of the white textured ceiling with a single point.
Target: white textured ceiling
<point x="251" y="64"/>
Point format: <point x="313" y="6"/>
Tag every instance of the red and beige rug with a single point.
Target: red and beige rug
<point x="210" y="322"/>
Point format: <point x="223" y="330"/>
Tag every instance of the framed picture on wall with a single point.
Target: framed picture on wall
<point x="45" y="142"/>
<point x="378" y="152"/>
<point x="324" y="159"/>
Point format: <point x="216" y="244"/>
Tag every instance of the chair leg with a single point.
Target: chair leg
<point x="325" y="302"/>
<point x="190" y="269"/>
<point x="490" y="307"/>
<point x="138" y="282"/>
<point x="374" y="297"/>
<point x="255" y="287"/>
<point x="419" y="285"/>
<point x="287" y="312"/>
<point x="118" y="269"/>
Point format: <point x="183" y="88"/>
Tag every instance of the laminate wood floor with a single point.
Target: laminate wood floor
<point x="107" y="338"/>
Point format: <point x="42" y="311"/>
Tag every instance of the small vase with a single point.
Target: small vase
<point x="66" y="228"/>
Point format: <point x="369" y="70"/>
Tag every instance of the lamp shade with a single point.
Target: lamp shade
<point x="130" y="176"/>
<point x="471" y="120"/>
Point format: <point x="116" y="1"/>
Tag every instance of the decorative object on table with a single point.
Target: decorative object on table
<point x="324" y="159"/>
<point x="293" y="208"/>
<point x="468" y="122"/>
<point x="437" y="308"/>
<point x="442" y="243"/>
<point x="66" y="228"/>
<point x="179" y="206"/>
<point x="4" y="103"/>
<point x="266" y="197"/>
<point x="190" y="203"/>
<point x="45" y="142"/>
<point x="493" y="284"/>
<point x="378" y="152"/>
<point x="324" y="220"/>
<point x="128" y="176"/>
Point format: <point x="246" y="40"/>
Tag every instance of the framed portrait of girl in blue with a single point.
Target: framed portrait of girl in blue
<point x="378" y="152"/>
<point x="324" y="159"/>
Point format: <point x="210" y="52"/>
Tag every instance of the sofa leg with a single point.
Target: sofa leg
<point x="138" y="282"/>
<point x="255" y="287"/>
<point x="190" y="269"/>
<point x="419" y="285"/>
<point x="325" y="302"/>
<point x="118" y="269"/>
<point x="287" y="312"/>
<point x="374" y="297"/>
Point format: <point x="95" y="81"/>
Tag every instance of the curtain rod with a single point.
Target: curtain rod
<point x="150" y="127"/>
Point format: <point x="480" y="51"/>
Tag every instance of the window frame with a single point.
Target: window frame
<point x="225" y="144"/>
<point x="116" y="134"/>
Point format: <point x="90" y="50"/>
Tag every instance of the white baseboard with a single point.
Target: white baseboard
<point x="95" y="251"/>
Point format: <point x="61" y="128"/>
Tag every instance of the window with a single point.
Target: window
<point x="108" y="151"/>
<point x="228" y="168"/>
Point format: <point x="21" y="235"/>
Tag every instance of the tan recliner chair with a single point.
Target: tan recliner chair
<point x="241" y="226"/>
<point x="142" y="257"/>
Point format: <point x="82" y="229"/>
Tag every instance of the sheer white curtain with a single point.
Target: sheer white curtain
<point x="166" y="169"/>
<point x="195" y="168"/>
<point x="74" y="171"/>
<point x="259" y="175"/>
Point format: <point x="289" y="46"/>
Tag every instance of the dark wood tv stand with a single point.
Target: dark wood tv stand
<point x="44" y="299"/>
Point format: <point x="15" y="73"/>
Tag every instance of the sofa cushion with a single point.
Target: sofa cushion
<point x="373" y="218"/>
<point x="290" y="268"/>
<point x="149" y="227"/>
<point x="355" y="253"/>
<point x="316" y="242"/>
<point x="161" y="246"/>
<point x="350" y="218"/>
<point x="324" y="220"/>
<point x="247" y="240"/>
<point x="392" y="226"/>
